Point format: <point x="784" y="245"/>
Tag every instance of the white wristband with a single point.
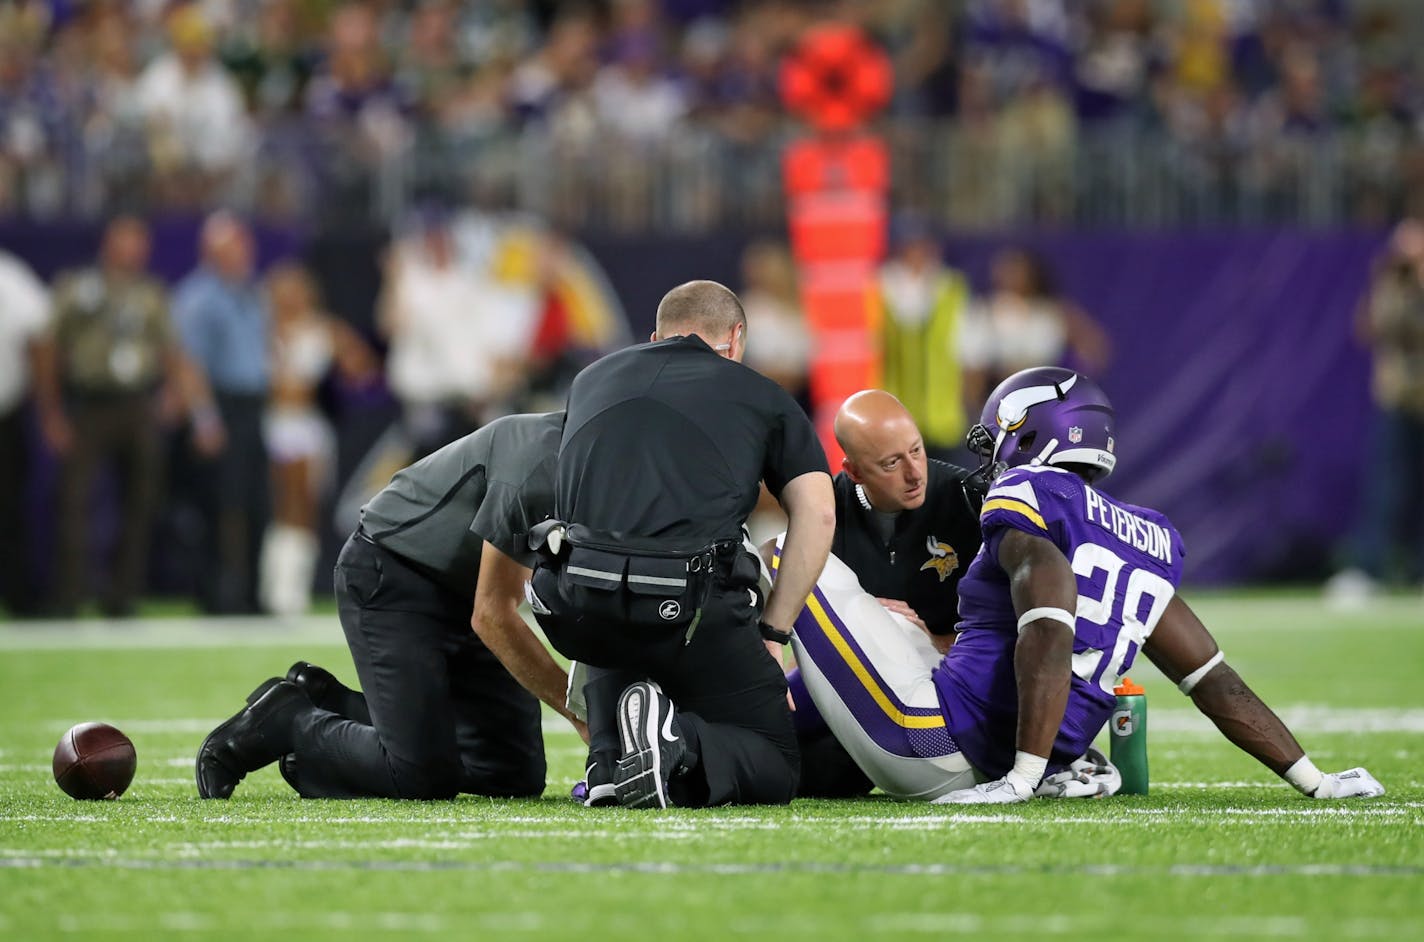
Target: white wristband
<point x="1029" y="768"/>
<point x="1062" y="616"/>
<point x="1191" y="680"/>
<point x="1304" y="776"/>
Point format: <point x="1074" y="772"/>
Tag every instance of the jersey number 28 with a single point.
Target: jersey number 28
<point x="1121" y="604"/>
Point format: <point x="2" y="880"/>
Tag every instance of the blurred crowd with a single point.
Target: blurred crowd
<point x="280" y="106"/>
<point x="213" y="407"/>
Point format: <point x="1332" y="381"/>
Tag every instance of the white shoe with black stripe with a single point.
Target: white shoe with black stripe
<point x="653" y="750"/>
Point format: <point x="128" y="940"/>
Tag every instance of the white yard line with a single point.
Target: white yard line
<point x="1263" y="614"/>
<point x="143" y="633"/>
<point x="1302" y="718"/>
<point x="796" y="924"/>
<point x="1209" y="871"/>
<point x="192" y="725"/>
<point x="802" y="924"/>
<point x="479" y="827"/>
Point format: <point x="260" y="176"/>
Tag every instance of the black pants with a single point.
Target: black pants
<point x="729" y="694"/>
<point x="16" y="584"/>
<point x="119" y="430"/>
<point x="234" y="495"/>
<point x="827" y="770"/>
<point x="444" y="715"/>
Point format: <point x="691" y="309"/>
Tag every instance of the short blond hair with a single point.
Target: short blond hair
<point x="700" y="307"/>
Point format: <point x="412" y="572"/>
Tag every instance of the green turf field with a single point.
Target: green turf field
<point x="1220" y="849"/>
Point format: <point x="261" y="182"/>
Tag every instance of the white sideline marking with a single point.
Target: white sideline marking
<point x="186" y="762"/>
<point x="141" y="633"/>
<point x="474" y="828"/>
<point x="1307" y="719"/>
<point x="268" y="921"/>
<point x="193" y="725"/>
<point x="1062" y="924"/>
<point x="798" y="924"/>
<point x="186" y="726"/>
<point x="172" y="763"/>
<point x="643" y="868"/>
<point x="1303" y="719"/>
<point x="1263" y="614"/>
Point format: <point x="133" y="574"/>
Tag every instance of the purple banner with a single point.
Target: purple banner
<point x="1242" y="397"/>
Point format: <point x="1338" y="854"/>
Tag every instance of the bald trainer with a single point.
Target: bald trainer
<point x="907" y="526"/>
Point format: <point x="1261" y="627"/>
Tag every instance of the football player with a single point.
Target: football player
<point x="1069" y="585"/>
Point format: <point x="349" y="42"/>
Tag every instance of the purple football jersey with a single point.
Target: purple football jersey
<point x="1128" y="561"/>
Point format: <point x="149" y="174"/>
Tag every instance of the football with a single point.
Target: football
<point x="94" y="760"/>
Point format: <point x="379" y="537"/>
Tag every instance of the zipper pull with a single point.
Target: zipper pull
<point x="892" y="557"/>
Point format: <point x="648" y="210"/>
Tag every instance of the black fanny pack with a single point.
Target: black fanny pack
<point x="632" y="585"/>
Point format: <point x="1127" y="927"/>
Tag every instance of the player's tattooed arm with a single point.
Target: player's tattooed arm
<point x="1180" y="646"/>
<point x="1041" y="581"/>
<point x="496" y="620"/>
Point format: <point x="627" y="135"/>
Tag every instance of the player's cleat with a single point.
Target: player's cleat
<point x="1089" y="776"/>
<point x="653" y="749"/>
<point x="1355" y="783"/>
<point x="316" y="682"/>
<point x="257" y="735"/>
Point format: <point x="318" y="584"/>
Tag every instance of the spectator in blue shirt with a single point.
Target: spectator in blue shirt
<point x="222" y="320"/>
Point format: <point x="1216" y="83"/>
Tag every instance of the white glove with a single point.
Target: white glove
<point x="1009" y="790"/>
<point x="1356" y="783"/>
<point x="1089" y="776"/>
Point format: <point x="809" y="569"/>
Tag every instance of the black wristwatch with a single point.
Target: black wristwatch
<point x="772" y="634"/>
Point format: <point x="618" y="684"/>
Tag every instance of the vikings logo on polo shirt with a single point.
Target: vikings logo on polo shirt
<point x="943" y="559"/>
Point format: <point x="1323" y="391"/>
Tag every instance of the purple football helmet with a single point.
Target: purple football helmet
<point x="1046" y="415"/>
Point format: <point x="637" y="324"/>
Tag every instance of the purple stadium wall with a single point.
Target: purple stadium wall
<point x="1242" y="397"/>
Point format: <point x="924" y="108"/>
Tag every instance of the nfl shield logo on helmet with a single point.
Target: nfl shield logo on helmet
<point x="1075" y="434"/>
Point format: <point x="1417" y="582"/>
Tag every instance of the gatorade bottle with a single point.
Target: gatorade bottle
<point x="1128" y="747"/>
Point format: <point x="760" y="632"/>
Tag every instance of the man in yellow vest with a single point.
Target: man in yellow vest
<point x="919" y="302"/>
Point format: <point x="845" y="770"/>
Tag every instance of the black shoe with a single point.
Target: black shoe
<point x="262" y="688"/>
<point x="653" y="750"/>
<point x="598" y="788"/>
<point x="287" y="767"/>
<point x="316" y="682"/>
<point x="259" y="734"/>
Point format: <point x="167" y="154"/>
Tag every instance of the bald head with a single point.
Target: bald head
<point x="705" y="308"/>
<point x="884" y="452"/>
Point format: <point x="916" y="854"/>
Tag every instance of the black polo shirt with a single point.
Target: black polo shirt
<point x="665" y="445"/>
<point x="928" y="548"/>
